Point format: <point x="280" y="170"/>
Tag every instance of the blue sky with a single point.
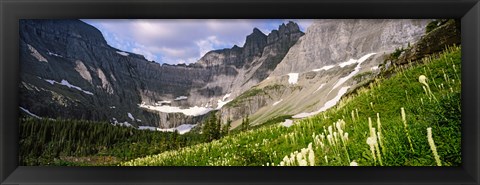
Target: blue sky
<point x="181" y="41"/>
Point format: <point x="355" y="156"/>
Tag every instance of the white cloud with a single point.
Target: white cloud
<point x="180" y="41"/>
<point x="147" y="54"/>
<point x="206" y="45"/>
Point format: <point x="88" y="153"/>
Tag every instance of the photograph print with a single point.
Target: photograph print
<point x="240" y="92"/>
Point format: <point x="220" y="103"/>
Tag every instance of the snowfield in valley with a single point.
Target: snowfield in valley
<point x="292" y="78"/>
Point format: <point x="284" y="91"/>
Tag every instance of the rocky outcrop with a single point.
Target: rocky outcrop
<point x="435" y="41"/>
<point x="233" y="71"/>
<point x="329" y="42"/>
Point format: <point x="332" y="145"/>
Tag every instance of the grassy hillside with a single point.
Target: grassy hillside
<point x="367" y="128"/>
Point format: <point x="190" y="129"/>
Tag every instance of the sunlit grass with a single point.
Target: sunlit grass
<point x="404" y="106"/>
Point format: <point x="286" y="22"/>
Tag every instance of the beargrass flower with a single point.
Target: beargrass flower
<point x="433" y="147"/>
<point x="330" y="140"/>
<point x="370" y="125"/>
<point x="423" y="80"/>
<point x="371" y="142"/>
<point x="353" y="163"/>
<point x="299" y="157"/>
<point x="302" y="163"/>
<point x="335" y="137"/>
<point x="353" y="116"/>
<point x="311" y="158"/>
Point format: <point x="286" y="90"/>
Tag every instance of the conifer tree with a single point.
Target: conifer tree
<point x="245" y="123"/>
<point x="226" y="127"/>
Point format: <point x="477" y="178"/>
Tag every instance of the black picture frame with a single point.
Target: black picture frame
<point x="13" y="10"/>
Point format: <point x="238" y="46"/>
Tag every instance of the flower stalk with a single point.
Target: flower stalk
<point x="433" y="147"/>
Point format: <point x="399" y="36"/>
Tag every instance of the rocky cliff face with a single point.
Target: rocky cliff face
<point x="69" y="71"/>
<point x="329" y="42"/>
<point x="446" y="34"/>
<point x="233" y="71"/>
<point x="324" y="64"/>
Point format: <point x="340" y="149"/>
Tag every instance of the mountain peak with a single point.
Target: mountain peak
<point x="257" y="31"/>
<point x="255" y="42"/>
<point x="284" y="30"/>
<point x="65" y="28"/>
<point x="290" y="27"/>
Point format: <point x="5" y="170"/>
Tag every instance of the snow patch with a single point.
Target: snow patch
<point x="54" y="54"/>
<point x="353" y="61"/>
<point x="221" y="103"/>
<point x="124" y="124"/>
<point x="326" y="106"/>
<point x="185" y="128"/>
<point x="347" y="63"/>
<point x="30" y="113"/>
<point x="365" y="57"/>
<point x="148" y="128"/>
<point x="180" y="98"/>
<point x="326" y="68"/>
<point x="182" y="129"/>
<point x="50" y="81"/>
<point x="66" y="83"/>
<point x="319" y="88"/>
<point x="277" y="102"/>
<point x="226" y="96"/>
<point x="131" y="116"/>
<point x="292" y="78"/>
<point x="374" y="68"/>
<point x="122" y="53"/>
<point x="287" y="123"/>
<point x="357" y="69"/>
<point x="191" y="111"/>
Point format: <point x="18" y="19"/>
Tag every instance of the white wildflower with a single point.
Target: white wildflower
<point x="302" y="163"/>
<point x="299" y="157"/>
<point x="432" y="146"/>
<point x="423" y="79"/>
<point x="353" y="163"/>
<point x="311" y="158"/>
